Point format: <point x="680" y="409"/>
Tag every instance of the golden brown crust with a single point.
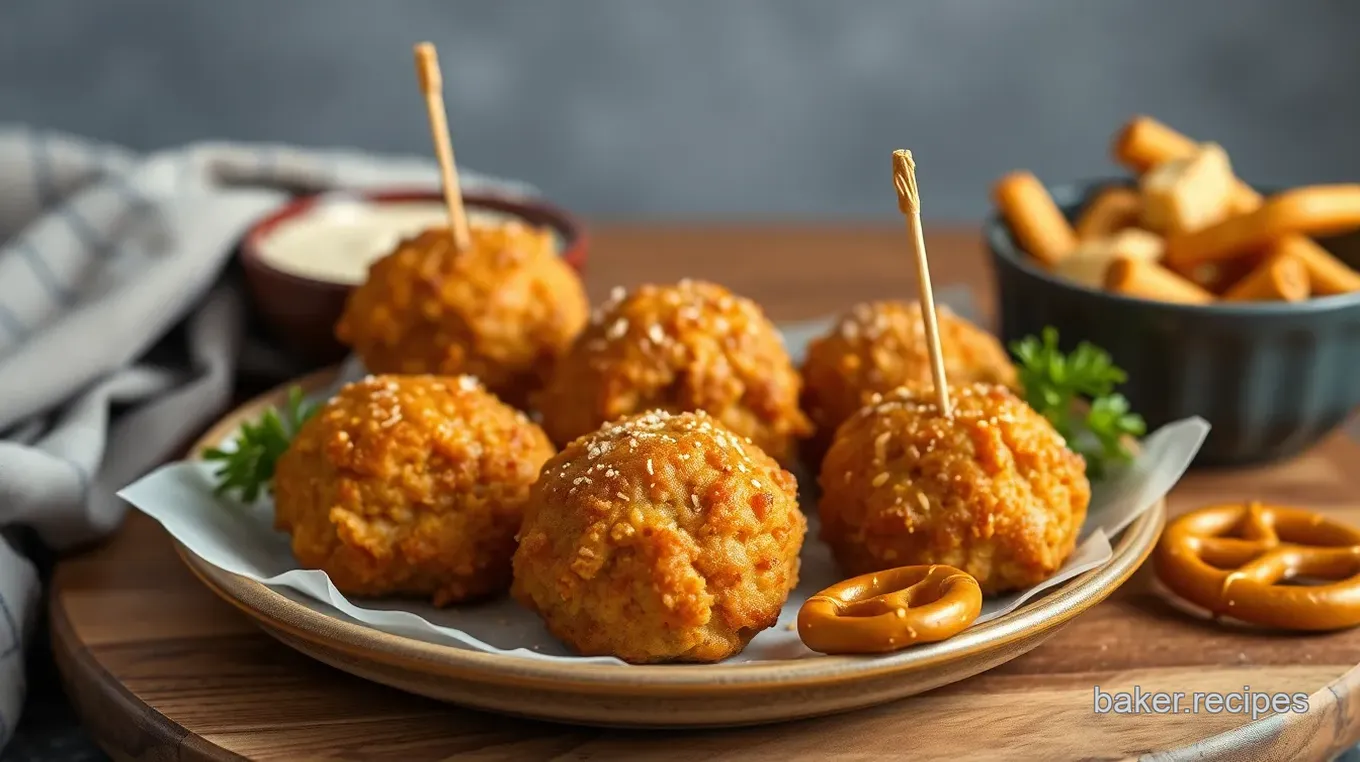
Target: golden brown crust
<point x="889" y="610"/>
<point x="502" y="311"/>
<point x="690" y="346"/>
<point x="410" y="485"/>
<point x="660" y="538"/>
<point x="1239" y="560"/>
<point x="878" y="346"/>
<point x="993" y="490"/>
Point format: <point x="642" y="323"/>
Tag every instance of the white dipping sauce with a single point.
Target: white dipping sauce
<point x="337" y="240"/>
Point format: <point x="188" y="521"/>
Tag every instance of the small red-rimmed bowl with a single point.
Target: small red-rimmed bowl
<point x="300" y="311"/>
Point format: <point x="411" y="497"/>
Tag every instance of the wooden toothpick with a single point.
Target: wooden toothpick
<point x="909" y="201"/>
<point x="432" y="86"/>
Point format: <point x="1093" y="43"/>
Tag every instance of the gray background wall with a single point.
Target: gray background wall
<point x="709" y="108"/>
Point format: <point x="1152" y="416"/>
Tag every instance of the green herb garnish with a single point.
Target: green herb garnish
<point x="1075" y="392"/>
<point x="248" y="468"/>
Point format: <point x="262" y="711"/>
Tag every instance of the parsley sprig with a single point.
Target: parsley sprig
<point x="1075" y="392"/>
<point x="248" y="468"/>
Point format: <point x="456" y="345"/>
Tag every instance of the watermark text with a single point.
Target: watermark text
<point x="1246" y="701"/>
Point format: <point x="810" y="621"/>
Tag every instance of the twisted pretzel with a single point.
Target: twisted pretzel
<point x="1230" y="560"/>
<point x="891" y="609"/>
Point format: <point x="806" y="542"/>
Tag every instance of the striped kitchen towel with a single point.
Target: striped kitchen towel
<point x="118" y="341"/>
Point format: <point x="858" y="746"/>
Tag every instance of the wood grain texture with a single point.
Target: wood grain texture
<point x="161" y="669"/>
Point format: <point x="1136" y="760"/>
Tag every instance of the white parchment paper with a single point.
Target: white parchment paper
<point x="240" y="539"/>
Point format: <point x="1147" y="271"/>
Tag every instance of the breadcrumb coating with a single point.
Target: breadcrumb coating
<point x="689" y="346"/>
<point x="502" y="311"/>
<point x="992" y="490"/>
<point x="410" y="485"/>
<point x="660" y="538"/>
<point x="876" y="347"/>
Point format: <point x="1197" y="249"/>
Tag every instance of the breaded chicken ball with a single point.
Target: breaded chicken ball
<point x="502" y="311"/>
<point x="690" y="346"/>
<point x="878" y="346"/>
<point x="992" y="490"/>
<point x="410" y="485"/>
<point x="660" y="538"/>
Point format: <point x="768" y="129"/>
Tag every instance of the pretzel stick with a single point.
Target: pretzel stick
<point x="432" y="87"/>
<point x="1038" y="223"/>
<point x="1327" y="275"/>
<point x="1314" y="209"/>
<point x="1144" y="142"/>
<point x="1281" y="277"/>
<point x="1112" y="210"/>
<point x="1149" y="280"/>
<point x="909" y="202"/>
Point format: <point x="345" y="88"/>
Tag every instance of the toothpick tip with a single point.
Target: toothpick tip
<point x="427" y="67"/>
<point x="904" y="179"/>
<point x="909" y="201"/>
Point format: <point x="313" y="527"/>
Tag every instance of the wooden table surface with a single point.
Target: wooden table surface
<point x="161" y="669"/>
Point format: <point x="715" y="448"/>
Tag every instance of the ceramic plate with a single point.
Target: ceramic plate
<point x="664" y="695"/>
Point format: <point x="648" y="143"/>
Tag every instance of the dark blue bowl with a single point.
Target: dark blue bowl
<point x="1271" y="378"/>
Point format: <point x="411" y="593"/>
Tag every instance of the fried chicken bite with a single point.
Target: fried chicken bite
<point x="502" y="311"/>
<point x="876" y="347"/>
<point x="690" y="346"/>
<point x="660" y="538"/>
<point x="992" y="490"/>
<point x="410" y="485"/>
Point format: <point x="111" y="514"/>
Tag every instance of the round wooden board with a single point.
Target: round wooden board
<point x="656" y="696"/>
<point x="160" y="668"/>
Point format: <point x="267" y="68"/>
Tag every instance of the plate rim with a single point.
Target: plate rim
<point x="273" y="609"/>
